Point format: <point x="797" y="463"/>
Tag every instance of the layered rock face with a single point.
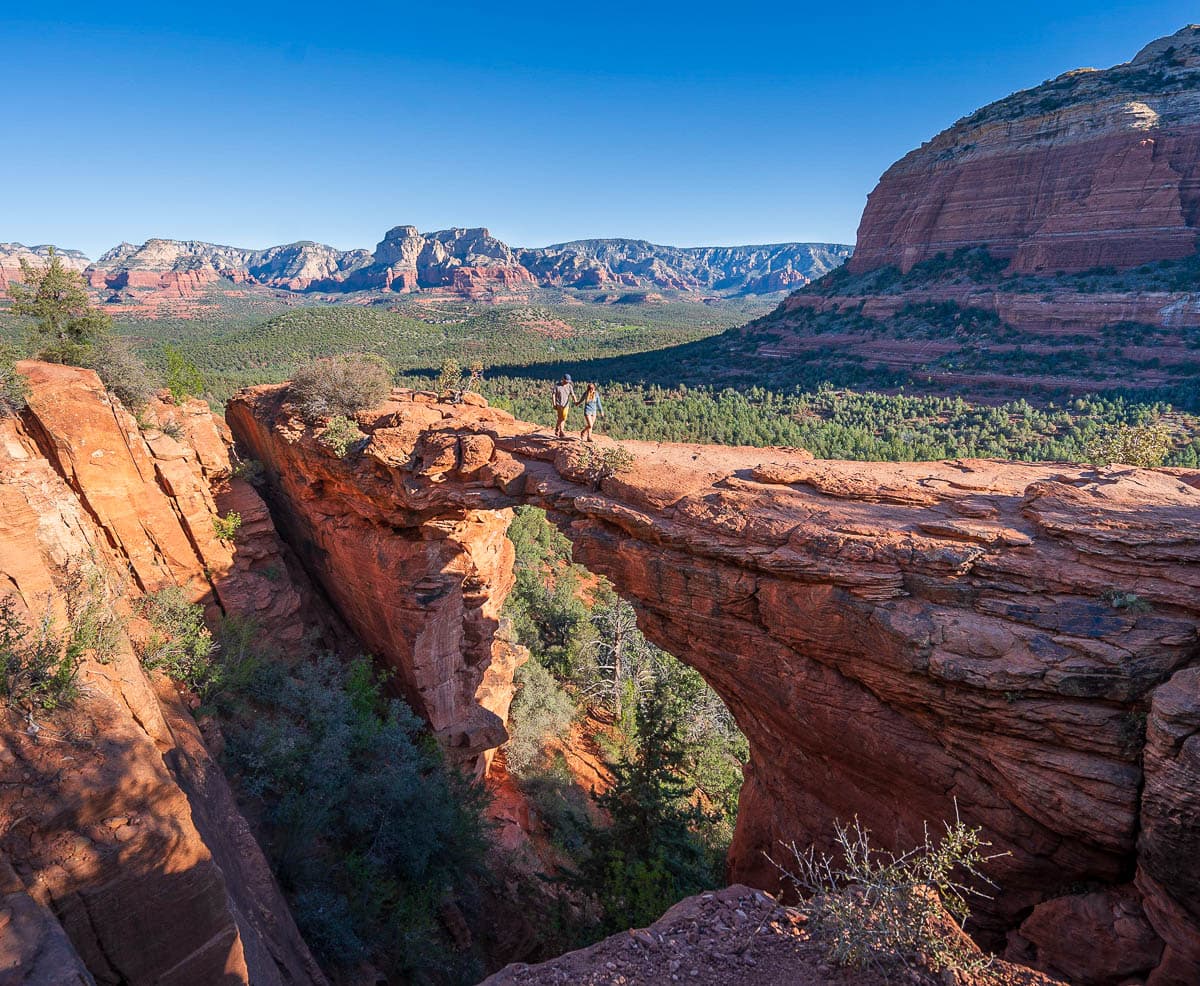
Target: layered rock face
<point x="124" y="858"/>
<point x="899" y="642"/>
<point x="1093" y="168"/>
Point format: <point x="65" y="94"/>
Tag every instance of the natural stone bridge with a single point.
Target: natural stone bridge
<point x="893" y="639"/>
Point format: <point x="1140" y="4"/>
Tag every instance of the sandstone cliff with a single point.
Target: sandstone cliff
<point x="123" y="858"/>
<point x="893" y="639"/>
<point x="1091" y="168"/>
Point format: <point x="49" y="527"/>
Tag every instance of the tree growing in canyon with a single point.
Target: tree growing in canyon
<point x="369" y="831"/>
<point x="66" y="325"/>
<point x="650" y="856"/>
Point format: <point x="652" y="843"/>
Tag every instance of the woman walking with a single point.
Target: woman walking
<point x="591" y="408"/>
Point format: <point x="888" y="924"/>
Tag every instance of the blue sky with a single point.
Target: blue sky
<point x="256" y="124"/>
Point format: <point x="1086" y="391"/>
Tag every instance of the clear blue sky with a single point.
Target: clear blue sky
<point x="262" y="123"/>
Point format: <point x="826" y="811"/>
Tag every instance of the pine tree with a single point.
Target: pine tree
<point x="66" y="324"/>
<point x="650" y="856"/>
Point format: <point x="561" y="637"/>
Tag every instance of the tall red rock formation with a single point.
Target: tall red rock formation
<point x="1093" y="168"/>
<point x="897" y="641"/>
<point x="124" y="858"/>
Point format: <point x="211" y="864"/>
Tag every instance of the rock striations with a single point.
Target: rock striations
<point x="899" y="642"/>
<point x="123" y="857"/>
<point x="1093" y="168"/>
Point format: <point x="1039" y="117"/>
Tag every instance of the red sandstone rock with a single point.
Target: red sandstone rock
<point x="893" y="638"/>
<point x="1169" y="841"/>
<point x="1096" y="939"/>
<point x="119" y="824"/>
<point x="34" y="949"/>
<point x="1089" y="169"/>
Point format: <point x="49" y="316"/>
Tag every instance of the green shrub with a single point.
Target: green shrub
<point x="251" y="470"/>
<point x="1146" y="445"/>
<point x="14" y="388"/>
<point x="340" y="385"/>
<point x="560" y="803"/>
<point x="39" y="663"/>
<point x="603" y="462"/>
<point x="184" y="378"/>
<point x="37" y="667"/>
<point x="340" y="435"/>
<point x="89" y="598"/>
<point x="884" y="910"/>
<point x="541" y="712"/>
<point x="1129" y="601"/>
<point x="181" y="645"/>
<point x="124" y="375"/>
<point x="226" y="528"/>
<point x="450" y="377"/>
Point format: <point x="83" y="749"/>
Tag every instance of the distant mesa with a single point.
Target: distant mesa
<point x="467" y="263"/>
<point x="1093" y="168"/>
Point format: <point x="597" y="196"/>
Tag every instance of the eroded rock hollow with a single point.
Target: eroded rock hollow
<point x="1017" y="643"/>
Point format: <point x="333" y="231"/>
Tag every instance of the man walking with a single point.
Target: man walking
<point x="564" y="397"/>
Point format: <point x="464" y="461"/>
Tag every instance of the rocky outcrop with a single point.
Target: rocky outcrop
<point x="127" y="859"/>
<point x="897" y="641"/>
<point x="1093" y="168"/>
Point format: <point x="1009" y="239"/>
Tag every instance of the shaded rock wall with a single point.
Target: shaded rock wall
<point x="897" y="641"/>
<point x="126" y="855"/>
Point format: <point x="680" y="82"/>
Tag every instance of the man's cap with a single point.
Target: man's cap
<point x="567" y="377"/>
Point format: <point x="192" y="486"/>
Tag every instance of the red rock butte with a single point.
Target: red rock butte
<point x="1093" y="168"/>
<point x="1013" y="642"/>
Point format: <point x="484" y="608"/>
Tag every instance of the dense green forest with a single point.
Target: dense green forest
<point x="233" y="355"/>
